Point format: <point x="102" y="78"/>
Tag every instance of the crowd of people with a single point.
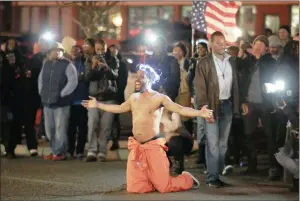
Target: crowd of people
<point x="227" y="80"/>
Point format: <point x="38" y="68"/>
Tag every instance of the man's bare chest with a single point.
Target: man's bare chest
<point x="147" y="105"/>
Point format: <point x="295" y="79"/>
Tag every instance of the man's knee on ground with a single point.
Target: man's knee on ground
<point x="162" y="188"/>
<point x="139" y="188"/>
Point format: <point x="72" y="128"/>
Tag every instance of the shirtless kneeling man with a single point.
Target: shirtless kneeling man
<point x="147" y="164"/>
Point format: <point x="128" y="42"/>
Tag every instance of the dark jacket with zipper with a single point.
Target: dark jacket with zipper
<point x="207" y="85"/>
<point x="7" y="78"/>
<point x="82" y="91"/>
<point x="267" y="67"/>
<point x="35" y="65"/>
<point x="103" y="84"/>
<point x="57" y="82"/>
<point x="191" y="75"/>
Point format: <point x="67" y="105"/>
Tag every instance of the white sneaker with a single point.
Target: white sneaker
<point x="101" y="157"/>
<point x="227" y="170"/>
<point x="196" y="183"/>
<point x="33" y="152"/>
<point x="91" y="154"/>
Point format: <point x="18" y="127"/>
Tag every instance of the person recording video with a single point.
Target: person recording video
<point x="102" y="78"/>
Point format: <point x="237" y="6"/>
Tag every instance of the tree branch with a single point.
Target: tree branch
<point x="92" y="13"/>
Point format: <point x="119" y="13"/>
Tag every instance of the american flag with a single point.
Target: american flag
<point x="211" y="16"/>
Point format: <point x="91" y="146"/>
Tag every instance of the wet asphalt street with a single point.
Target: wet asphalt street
<point x="36" y="179"/>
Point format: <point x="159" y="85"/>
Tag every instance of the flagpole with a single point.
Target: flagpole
<point x="193" y="41"/>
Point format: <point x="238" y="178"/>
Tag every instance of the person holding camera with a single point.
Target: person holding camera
<point x="102" y="78"/>
<point x="78" y="114"/>
<point x="260" y="69"/>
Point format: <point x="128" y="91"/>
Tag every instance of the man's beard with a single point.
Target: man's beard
<point x="140" y="89"/>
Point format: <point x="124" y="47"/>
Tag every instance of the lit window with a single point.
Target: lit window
<point x="295" y="19"/>
<point x="186" y="11"/>
<point x="141" y="17"/>
<point x="272" y="22"/>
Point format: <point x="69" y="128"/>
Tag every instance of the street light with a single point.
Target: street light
<point x="48" y="36"/>
<point x="117" y="20"/>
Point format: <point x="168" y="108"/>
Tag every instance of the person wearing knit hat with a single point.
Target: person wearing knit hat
<point x="57" y="81"/>
<point x="275" y="46"/>
<point x="262" y="39"/>
<point x="260" y="46"/>
<point x="255" y="105"/>
<point x="285" y="34"/>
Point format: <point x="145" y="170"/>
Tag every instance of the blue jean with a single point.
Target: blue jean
<point x="56" y="126"/>
<point x="217" y="140"/>
<point x="200" y="126"/>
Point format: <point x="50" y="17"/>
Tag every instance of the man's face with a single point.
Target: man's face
<point x="114" y="51"/>
<point x="99" y="48"/>
<point x="11" y="44"/>
<point x="201" y="50"/>
<point x="274" y="50"/>
<point x="218" y="45"/>
<point x="3" y="45"/>
<point x="55" y="53"/>
<point x="75" y="52"/>
<point x="137" y="86"/>
<point x="283" y="34"/>
<point x="141" y="79"/>
<point x="87" y="48"/>
<point x="259" y="48"/>
<point x="178" y="53"/>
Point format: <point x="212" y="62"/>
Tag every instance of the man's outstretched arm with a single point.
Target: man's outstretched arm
<point x="185" y="111"/>
<point x="93" y="103"/>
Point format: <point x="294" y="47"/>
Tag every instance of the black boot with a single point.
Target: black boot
<point x="295" y="187"/>
<point x="274" y="174"/>
<point x="115" y="145"/>
<point x="252" y="166"/>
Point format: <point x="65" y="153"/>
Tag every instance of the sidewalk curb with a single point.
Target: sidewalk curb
<point x="119" y="155"/>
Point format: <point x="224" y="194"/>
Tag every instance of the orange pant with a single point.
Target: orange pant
<point x="148" y="169"/>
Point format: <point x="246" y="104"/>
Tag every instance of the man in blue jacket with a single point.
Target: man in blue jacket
<point x="57" y="82"/>
<point x="78" y="116"/>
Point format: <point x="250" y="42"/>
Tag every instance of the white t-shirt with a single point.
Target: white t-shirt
<point x="224" y="71"/>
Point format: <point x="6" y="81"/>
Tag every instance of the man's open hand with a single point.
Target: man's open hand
<point x="92" y="103"/>
<point x="205" y="113"/>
